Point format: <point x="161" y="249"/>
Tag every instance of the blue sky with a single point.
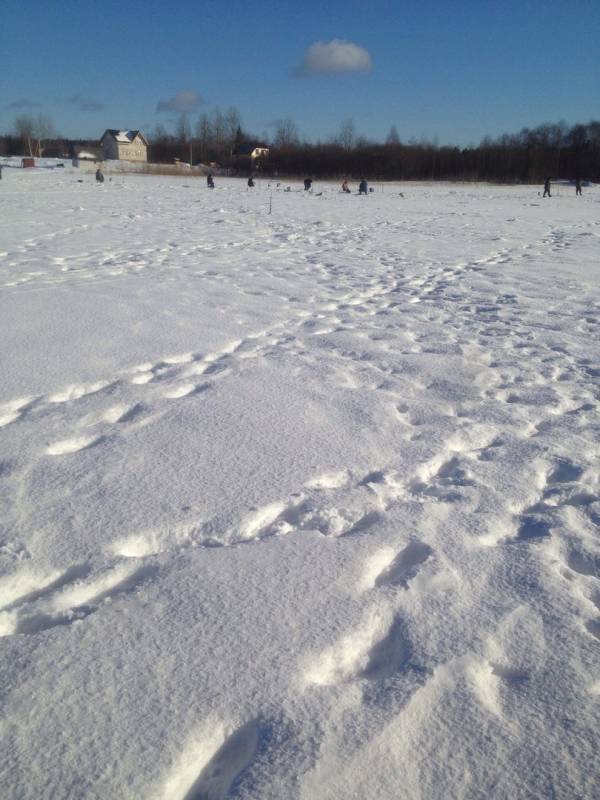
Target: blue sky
<point x="455" y="70"/>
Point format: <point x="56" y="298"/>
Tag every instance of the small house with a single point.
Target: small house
<point x="124" y="145"/>
<point x="251" y="155"/>
<point x="86" y="153"/>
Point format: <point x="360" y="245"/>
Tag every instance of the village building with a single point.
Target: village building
<point x="251" y="155"/>
<point x="124" y="145"/>
<point x="86" y="153"/>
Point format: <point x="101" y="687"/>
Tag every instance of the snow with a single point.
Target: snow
<point x="124" y="136"/>
<point x="302" y="504"/>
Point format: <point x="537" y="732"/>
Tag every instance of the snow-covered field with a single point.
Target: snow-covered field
<point x="298" y="506"/>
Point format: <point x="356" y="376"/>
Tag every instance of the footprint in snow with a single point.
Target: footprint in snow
<point x="74" y="445"/>
<point x="212" y="762"/>
<point x="388" y="568"/>
<point x="374" y="651"/>
<point x="62" y="600"/>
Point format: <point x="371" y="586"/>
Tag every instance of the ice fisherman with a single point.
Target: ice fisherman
<point x="250" y="182"/>
<point x="362" y="186"/>
<point x="577" y="187"/>
<point x="307" y="184"/>
<point x="547" y="188"/>
<point x="99" y="176"/>
<point x="345" y="187"/>
<point x="209" y="181"/>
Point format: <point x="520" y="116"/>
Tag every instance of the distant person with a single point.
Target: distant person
<point x="209" y="181"/>
<point x="547" y="188"/>
<point x="577" y="187"/>
<point x="362" y="186"/>
<point x="345" y="187"/>
<point x="307" y="184"/>
<point x="251" y="182"/>
<point x="99" y="176"/>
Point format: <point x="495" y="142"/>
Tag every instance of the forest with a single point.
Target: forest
<point x="551" y="150"/>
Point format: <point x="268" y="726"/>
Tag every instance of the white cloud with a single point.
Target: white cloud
<point x="334" y="58"/>
<point x="182" y="103"/>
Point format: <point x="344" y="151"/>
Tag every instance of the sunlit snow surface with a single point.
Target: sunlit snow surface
<point x="301" y="505"/>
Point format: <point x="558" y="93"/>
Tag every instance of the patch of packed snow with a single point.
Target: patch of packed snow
<point x="301" y="504"/>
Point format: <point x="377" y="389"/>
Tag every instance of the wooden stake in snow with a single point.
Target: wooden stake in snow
<point x="271" y="201"/>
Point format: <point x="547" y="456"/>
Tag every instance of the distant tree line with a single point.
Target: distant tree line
<point x="214" y="137"/>
<point x="557" y="150"/>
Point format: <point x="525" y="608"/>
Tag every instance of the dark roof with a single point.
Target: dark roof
<point x="246" y="148"/>
<point x="122" y="135"/>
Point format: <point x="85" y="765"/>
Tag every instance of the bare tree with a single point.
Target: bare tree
<point x="286" y="133"/>
<point x="45" y="130"/>
<point x="25" y="130"/>
<point x="34" y="131"/>
<point x="219" y="130"/>
<point x="346" y="136"/>
<point x="204" y="134"/>
<point x="233" y="128"/>
<point x="160" y="133"/>
<point x="182" y="129"/>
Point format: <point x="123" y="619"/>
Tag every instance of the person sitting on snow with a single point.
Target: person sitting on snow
<point x="362" y="186"/>
<point x="250" y="182"/>
<point x="99" y="176"/>
<point x="209" y="181"/>
<point x="345" y="187"/>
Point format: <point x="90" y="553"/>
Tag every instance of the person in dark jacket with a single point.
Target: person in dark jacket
<point x="362" y="186"/>
<point x="547" y="188"/>
<point x="307" y="184"/>
<point x="209" y="181"/>
<point x="250" y="182"/>
<point x="577" y="187"/>
<point x="99" y="176"/>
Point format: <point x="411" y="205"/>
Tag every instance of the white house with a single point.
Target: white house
<point x="252" y="150"/>
<point x="124" y="145"/>
<point x="251" y="155"/>
<point x="87" y="153"/>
